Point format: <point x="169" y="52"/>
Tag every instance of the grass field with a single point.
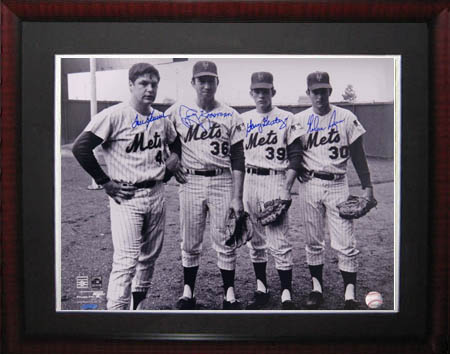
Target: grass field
<point x="86" y="250"/>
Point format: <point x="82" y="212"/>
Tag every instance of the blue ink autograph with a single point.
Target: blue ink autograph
<point x="313" y="123"/>
<point x="89" y="306"/>
<point x="333" y="121"/>
<point x="149" y="119"/>
<point x="266" y="122"/>
<point x="190" y="116"/>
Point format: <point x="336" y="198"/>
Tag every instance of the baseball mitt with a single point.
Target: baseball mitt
<point x="355" y="207"/>
<point x="273" y="211"/>
<point x="238" y="230"/>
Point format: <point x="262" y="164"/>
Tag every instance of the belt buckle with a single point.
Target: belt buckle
<point x="252" y="171"/>
<point x="336" y="177"/>
<point x="277" y="172"/>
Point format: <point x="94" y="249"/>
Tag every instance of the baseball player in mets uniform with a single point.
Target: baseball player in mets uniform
<point x="272" y="152"/>
<point x="133" y="136"/>
<point x="211" y="179"/>
<point x="332" y="136"/>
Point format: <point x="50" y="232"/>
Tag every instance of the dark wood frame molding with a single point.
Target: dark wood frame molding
<point x="434" y="13"/>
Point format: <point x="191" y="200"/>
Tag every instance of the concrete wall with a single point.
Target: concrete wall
<point x="377" y="119"/>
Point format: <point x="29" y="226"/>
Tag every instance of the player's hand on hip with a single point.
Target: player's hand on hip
<point x="237" y="206"/>
<point x="180" y="175"/>
<point x="303" y="175"/>
<point x="119" y="191"/>
<point x="368" y="193"/>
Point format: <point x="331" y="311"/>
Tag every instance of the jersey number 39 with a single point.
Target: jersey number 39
<point x="280" y="153"/>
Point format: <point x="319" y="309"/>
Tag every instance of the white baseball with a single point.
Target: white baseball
<point x="374" y="300"/>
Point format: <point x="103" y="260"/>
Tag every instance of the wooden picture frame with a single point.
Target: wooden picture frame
<point x="16" y="294"/>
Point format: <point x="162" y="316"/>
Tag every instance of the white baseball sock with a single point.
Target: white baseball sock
<point x="286" y="295"/>
<point x="350" y="292"/>
<point x="316" y="285"/>
<point x="187" y="292"/>
<point x="230" y="297"/>
<point x="260" y="286"/>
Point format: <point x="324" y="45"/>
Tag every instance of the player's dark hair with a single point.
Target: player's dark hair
<point x="140" y="69"/>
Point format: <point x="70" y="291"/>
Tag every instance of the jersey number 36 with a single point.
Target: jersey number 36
<point x="219" y="148"/>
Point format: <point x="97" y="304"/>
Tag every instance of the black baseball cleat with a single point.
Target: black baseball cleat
<point x="260" y="299"/>
<point x="231" y="306"/>
<point x="315" y="299"/>
<point x="186" y="303"/>
<point x="351" y="305"/>
<point x="288" y="305"/>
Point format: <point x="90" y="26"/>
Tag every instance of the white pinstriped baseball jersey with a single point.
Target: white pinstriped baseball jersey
<point x="327" y="139"/>
<point x="267" y="136"/>
<point x="133" y="144"/>
<point x="221" y="127"/>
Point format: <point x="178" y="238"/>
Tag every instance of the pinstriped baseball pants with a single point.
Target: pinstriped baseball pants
<point x="199" y="197"/>
<point x="318" y="199"/>
<point x="137" y="228"/>
<point x="258" y="190"/>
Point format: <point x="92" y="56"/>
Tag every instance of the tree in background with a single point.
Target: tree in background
<point x="349" y="94"/>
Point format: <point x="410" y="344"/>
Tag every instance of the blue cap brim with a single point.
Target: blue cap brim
<point x="320" y="86"/>
<point x="261" y="86"/>
<point x="204" y="73"/>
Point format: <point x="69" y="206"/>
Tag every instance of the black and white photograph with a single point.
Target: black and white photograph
<point x="227" y="183"/>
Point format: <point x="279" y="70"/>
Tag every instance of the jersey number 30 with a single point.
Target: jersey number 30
<point x="338" y="152"/>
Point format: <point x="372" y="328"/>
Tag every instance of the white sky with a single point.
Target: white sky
<point x="372" y="78"/>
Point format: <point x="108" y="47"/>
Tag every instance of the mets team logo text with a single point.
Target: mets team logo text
<point x="214" y="133"/>
<point x="139" y="143"/>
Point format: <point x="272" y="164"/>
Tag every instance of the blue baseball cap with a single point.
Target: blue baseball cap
<point x="318" y="80"/>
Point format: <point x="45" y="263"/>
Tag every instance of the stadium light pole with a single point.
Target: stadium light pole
<point x="93" y="109"/>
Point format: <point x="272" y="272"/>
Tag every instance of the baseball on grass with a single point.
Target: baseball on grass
<point x="374" y="300"/>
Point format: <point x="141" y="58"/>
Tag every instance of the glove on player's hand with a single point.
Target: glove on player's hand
<point x="238" y="229"/>
<point x="355" y="207"/>
<point x="273" y="211"/>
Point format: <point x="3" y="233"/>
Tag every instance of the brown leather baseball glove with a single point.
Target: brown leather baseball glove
<point x="238" y="229"/>
<point x="273" y="211"/>
<point x="355" y="207"/>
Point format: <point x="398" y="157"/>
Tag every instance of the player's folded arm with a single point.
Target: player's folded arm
<point x="83" y="151"/>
